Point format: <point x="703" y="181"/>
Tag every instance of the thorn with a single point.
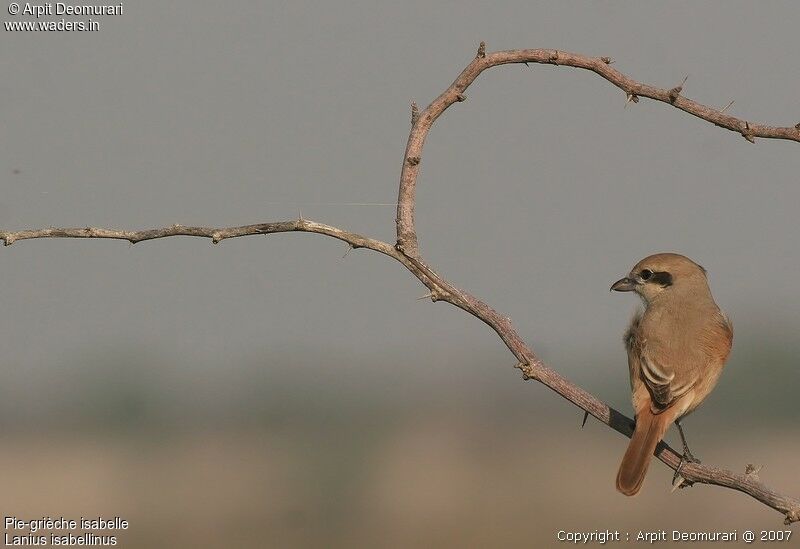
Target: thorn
<point x="482" y="50"/>
<point x="461" y="97"/>
<point x="676" y="91"/>
<point x="430" y="296"/>
<point x="526" y="64"/>
<point x="585" y="417"/>
<point x="607" y="60"/>
<point x="413" y="160"/>
<point x="677" y="482"/>
<point x="414" y="112"/>
<point x="747" y="133"/>
<point x="751" y="471"/>
<point x="631" y="97"/>
<point x="216" y="238"/>
<point x="797" y="126"/>
<point x="728" y="106"/>
<point x="299" y="214"/>
<point x="349" y="247"/>
<point x="792" y="516"/>
<point x="523" y="368"/>
<point x="553" y="57"/>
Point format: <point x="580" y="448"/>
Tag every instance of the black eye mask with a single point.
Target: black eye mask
<point x="662" y="278"/>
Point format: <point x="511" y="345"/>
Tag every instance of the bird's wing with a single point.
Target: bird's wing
<point x="659" y="376"/>
<point x="649" y="366"/>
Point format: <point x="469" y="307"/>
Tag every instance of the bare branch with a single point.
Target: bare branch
<point x="406" y="251"/>
<point x="216" y="235"/>
<point x="406" y="234"/>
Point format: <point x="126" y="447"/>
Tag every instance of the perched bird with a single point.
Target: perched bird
<point x="677" y="347"/>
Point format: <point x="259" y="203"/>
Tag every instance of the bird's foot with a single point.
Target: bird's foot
<point x="679" y="481"/>
<point x="688" y="457"/>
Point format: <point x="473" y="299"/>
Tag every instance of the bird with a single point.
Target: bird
<point x="677" y="347"/>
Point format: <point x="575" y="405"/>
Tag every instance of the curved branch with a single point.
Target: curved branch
<point x="422" y="122"/>
<point x="406" y="250"/>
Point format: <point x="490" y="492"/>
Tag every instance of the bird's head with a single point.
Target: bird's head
<point x="662" y="274"/>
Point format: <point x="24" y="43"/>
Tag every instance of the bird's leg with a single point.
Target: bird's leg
<point x="687" y="454"/>
<point x="687" y="457"/>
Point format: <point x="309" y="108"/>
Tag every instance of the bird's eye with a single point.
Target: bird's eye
<point x="646" y="274"/>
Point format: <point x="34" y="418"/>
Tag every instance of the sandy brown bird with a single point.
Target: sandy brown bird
<point x="677" y="347"/>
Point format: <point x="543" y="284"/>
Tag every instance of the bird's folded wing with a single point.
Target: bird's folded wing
<point x="661" y="380"/>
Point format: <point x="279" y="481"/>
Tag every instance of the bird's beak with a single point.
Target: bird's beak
<point x="624" y="285"/>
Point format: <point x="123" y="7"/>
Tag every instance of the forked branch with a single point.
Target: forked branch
<point x="406" y="250"/>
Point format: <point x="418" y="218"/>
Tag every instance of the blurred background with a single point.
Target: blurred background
<point x="271" y="392"/>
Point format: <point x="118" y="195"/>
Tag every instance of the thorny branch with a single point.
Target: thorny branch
<point x="406" y="250"/>
<point x="422" y="121"/>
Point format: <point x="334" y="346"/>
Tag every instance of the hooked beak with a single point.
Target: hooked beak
<point x="624" y="285"/>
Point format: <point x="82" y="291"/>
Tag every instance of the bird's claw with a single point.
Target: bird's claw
<point x="687" y="457"/>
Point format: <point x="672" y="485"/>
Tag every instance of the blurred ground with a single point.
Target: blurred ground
<point x="315" y="467"/>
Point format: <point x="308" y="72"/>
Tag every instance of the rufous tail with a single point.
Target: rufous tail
<point x="650" y="429"/>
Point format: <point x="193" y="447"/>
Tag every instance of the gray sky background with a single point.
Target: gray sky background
<point x="268" y="388"/>
<point x="535" y="194"/>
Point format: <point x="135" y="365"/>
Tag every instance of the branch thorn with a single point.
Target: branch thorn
<point x="553" y="57"/>
<point x="677" y="482"/>
<point x="631" y="97"/>
<point x="676" y="91"/>
<point x="747" y="132"/>
<point x="414" y="112"/>
<point x="413" y="160"/>
<point x="607" y="60"/>
<point x="728" y="106"/>
<point x="752" y="470"/>
<point x="585" y="417"/>
<point x="461" y="97"/>
<point x="482" y="50"/>
<point x="792" y="516"/>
